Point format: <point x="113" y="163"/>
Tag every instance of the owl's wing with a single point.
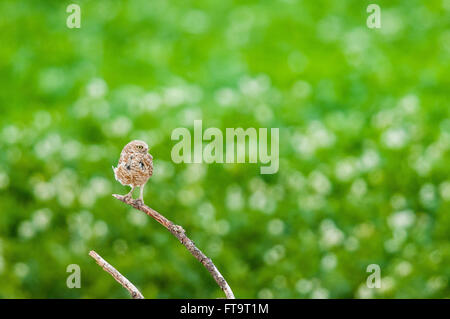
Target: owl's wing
<point x="148" y="163"/>
<point x="126" y="159"/>
<point x="124" y="155"/>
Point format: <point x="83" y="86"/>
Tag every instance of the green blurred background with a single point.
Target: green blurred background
<point x="364" y="147"/>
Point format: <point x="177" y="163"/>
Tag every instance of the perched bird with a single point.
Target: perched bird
<point x="135" y="167"/>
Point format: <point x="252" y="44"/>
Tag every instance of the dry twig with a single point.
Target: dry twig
<point x="179" y="233"/>
<point x="134" y="292"/>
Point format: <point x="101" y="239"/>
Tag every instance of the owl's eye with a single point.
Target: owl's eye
<point x="140" y="147"/>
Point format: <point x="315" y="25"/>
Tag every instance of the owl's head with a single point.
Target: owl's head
<point x="138" y="146"/>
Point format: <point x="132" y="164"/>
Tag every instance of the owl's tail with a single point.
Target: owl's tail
<point x="115" y="173"/>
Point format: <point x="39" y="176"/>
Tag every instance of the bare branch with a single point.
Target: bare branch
<point x="179" y="233"/>
<point x="134" y="292"/>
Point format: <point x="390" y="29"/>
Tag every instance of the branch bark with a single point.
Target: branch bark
<point x="179" y="233"/>
<point x="134" y="292"/>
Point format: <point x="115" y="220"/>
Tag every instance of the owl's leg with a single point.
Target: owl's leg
<point x="130" y="194"/>
<point x="141" y="194"/>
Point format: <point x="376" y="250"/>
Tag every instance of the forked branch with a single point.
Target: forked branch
<point x="179" y="233"/>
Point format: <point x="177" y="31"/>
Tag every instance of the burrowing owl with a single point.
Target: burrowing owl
<point x="135" y="166"/>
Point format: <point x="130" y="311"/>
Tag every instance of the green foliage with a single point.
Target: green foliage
<point x="364" y="147"/>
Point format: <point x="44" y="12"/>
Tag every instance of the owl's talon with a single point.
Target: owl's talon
<point x="128" y="197"/>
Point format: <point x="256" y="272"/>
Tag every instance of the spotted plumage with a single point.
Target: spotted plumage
<point x="135" y="166"/>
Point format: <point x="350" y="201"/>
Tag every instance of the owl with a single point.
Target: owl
<point x="135" y="167"/>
